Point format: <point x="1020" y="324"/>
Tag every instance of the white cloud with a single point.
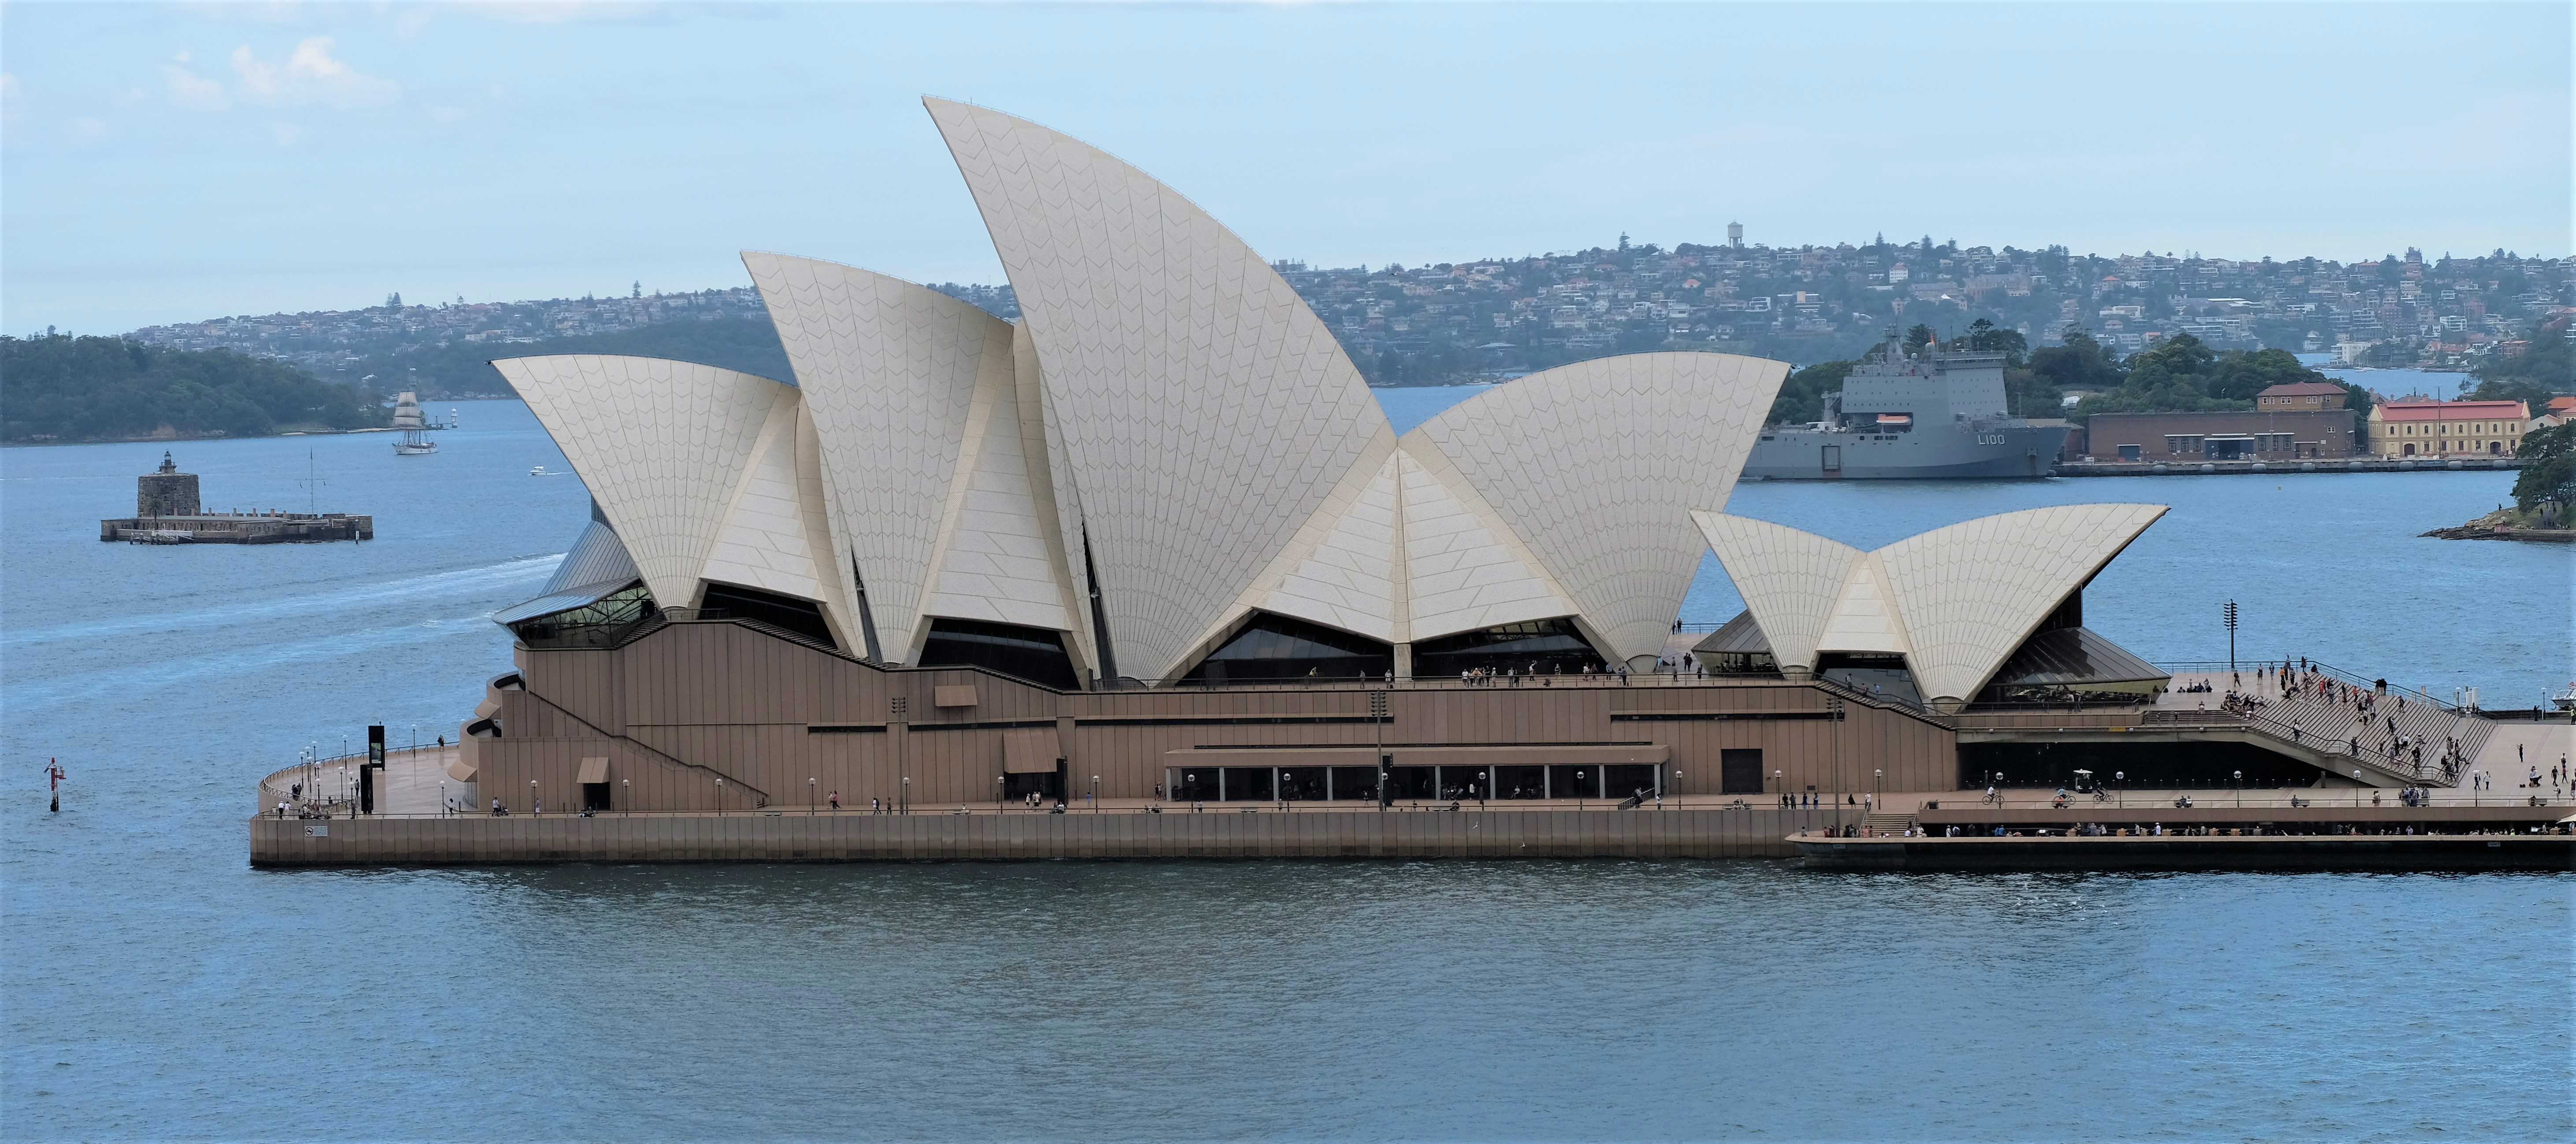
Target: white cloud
<point x="309" y="75"/>
<point x="188" y="89"/>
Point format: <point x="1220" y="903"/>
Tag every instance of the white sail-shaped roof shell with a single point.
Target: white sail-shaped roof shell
<point x="1790" y="580"/>
<point x="1202" y="408"/>
<point x="662" y="445"/>
<point x="704" y="474"/>
<point x="1955" y="601"/>
<point x="916" y="403"/>
<point x="1596" y="466"/>
<point x="1972" y="592"/>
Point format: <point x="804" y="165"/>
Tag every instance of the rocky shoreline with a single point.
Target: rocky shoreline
<point x="2500" y="525"/>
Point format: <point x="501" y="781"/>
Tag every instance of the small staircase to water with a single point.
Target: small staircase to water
<point x="1888" y="823"/>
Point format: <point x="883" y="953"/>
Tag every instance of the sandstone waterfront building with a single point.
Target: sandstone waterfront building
<point x="1156" y="541"/>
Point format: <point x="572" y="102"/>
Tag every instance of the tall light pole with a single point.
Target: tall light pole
<point x="2120" y="788"/>
<point x="1834" y="714"/>
<point x="2230" y="613"/>
<point x="2356" y="788"/>
<point x="2239" y="782"/>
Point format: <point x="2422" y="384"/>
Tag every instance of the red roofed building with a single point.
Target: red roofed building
<point x="2447" y="428"/>
<point x="2300" y="396"/>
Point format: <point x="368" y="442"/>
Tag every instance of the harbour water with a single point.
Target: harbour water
<point x="155" y="987"/>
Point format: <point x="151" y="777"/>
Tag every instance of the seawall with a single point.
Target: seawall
<point x="789" y="836"/>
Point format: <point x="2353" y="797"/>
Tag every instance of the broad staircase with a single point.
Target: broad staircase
<point x="2346" y="723"/>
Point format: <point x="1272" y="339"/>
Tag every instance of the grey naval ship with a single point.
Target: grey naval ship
<point x="1941" y="414"/>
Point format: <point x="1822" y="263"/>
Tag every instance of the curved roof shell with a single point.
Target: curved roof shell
<point x="1955" y="601"/>
<point x="1168" y="441"/>
<point x="1203" y="408"/>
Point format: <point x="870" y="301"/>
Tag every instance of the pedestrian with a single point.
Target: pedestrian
<point x="496" y="806"/>
<point x="281" y="810"/>
<point x="836" y="800"/>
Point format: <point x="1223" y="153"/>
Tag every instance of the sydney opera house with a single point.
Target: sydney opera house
<point x="1156" y="540"/>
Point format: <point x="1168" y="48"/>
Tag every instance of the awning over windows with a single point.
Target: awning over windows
<point x="594" y="770"/>
<point x="582" y="596"/>
<point x="1028" y="752"/>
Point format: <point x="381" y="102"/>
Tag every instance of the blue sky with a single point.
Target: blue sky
<point x="171" y="162"/>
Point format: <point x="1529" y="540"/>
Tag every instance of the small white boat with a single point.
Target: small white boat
<point x="539" y="471"/>
<point x="2565" y="699"/>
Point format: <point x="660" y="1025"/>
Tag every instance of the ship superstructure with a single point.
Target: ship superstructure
<point x="1941" y="413"/>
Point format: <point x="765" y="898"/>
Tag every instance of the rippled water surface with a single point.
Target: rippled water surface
<point x="156" y="988"/>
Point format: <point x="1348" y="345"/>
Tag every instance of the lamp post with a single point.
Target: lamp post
<point x="719" y="796"/>
<point x="1834" y="713"/>
<point x="532" y="796"/>
<point x="2229" y="613"/>
<point x="997" y="794"/>
<point x="1095" y="794"/>
<point x="1677" y="786"/>
<point x="2238" y="781"/>
<point x="625" y="795"/>
<point x="809" y="796"/>
<point x="2356" y="788"/>
<point x="2120" y="788"/>
<point x="1879" y="779"/>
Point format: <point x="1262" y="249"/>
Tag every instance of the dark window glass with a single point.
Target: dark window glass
<point x="1248" y="784"/>
<point x="1033" y="654"/>
<point x="802" y="617"/>
<point x="1277" y="648"/>
<point x="1878" y="673"/>
<point x="1194" y="784"/>
<point x="1551" y="646"/>
<point x="1520" y="782"/>
<point x="1622" y="780"/>
<point x="593" y="625"/>
<point x="1354" y="783"/>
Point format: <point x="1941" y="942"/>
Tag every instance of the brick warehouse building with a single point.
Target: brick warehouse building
<point x="2239" y="435"/>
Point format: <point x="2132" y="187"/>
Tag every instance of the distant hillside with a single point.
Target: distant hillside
<point x="462" y="369"/>
<point x="65" y="388"/>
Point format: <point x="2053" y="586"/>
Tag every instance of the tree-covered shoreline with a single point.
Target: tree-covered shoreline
<point x="66" y="388"/>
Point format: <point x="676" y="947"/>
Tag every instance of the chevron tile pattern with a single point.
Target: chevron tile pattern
<point x="663" y="445"/>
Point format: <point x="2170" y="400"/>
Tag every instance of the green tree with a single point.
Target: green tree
<point x="1917" y="338"/>
<point x="61" y="387"/>
<point x="2080" y="361"/>
<point x="1802" y="397"/>
<point x="2548" y="467"/>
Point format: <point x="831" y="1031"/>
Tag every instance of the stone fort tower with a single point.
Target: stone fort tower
<point x="166" y="492"/>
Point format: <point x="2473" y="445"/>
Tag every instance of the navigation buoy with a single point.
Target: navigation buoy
<point x="54" y="779"/>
